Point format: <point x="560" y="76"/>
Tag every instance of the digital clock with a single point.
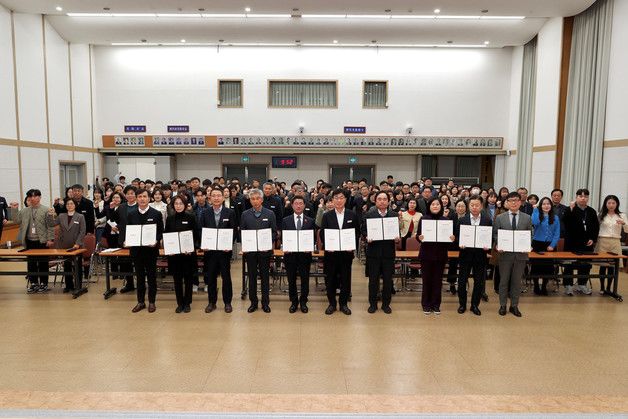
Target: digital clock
<point x="284" y="162"/>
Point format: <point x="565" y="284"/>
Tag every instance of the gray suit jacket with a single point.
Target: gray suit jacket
<point x="44" y="226"/>
<point x="502" y="222"/>
<point x="70" y="233"/>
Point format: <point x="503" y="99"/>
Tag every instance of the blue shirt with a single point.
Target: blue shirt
<point x="544" y="231"/>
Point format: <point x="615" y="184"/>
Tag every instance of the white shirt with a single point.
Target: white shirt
<point x="340" y="216"/>
<point x="380" y="213"/>
<point x="610" y="228"/>
<point x="143" y="211"/>
<point x="476" y="221"/>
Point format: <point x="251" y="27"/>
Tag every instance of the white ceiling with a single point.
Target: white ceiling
<point x="346" y="31"/>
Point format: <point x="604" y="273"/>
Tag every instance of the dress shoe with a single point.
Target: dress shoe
<point x="228" y="308"/>
<point x="187" y="309"/>
<point x="387" y="309"/>
<point x="452" y="289"/>
<point x="151" y="308"/>
<point x="124" y="290"/>
<point x="330" y="310"/>
<point x="252" y="308"/>
<point x="544" y="291"/>
<point x="476" y="311"/>
<point x="209" y="308"/>
<point x="461" y="309"/>
<point x="502" y="310"/>
<point x="372" y="309"/>
<point x="266" y="308"/>
<point x="515" y="311"/>
<point x="179" y="309"/>
<point x="304" y="308"/>
<point x="66" y="290"/>
<point x="485" y="297"/>
<point x="346" y="310"/>
<point x="139" y="307"/>
<point x="293" y="308"/>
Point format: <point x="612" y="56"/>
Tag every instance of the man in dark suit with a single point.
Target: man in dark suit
<point x="121" y="220"/>
<point x="85" y="207"/>
<point x="338" y="264"/>
<point x="426" y="195"/>
<point x="472" y="259"/>
<point x="309" y="207"/>
<point x="145" y="257"/>
<point x="511" y="264"/>
<point x="525" y="205"/>
<point x="559" y="209"/>
<point x="298" y="261"/>
<point x="4" y="213"/>
<point x="272" y="201"/>
<point x="380" y="256"/>
<point x="257" y="218"/>
<point x="218" y="261"/>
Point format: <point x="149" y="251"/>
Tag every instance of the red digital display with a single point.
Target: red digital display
<point x="284" y="162"/>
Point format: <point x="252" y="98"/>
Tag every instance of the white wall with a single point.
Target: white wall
<point x="7" y="90"/>
<point x="35" y="172"/>
<point x="81" y="97"/>
<point x="448" y="92"/>
<point x="58" y="73"/>
<point x="9" y="181"/>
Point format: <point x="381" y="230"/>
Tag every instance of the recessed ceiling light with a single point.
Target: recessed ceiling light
<point x="387" y="10"/>
<point x="247" y="9"/>
<point x="486" y="42"/>
<point x="183" y="40"/>
<point x="335" y="41"/>
<point x="59" y="8"/>
<point x="106" y="8"/>
<point x="437" y="11"/>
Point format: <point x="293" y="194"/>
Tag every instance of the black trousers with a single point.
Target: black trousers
<point x="218" y="262"/>
<point x="477" y="266"/>
<point x="432" y="276"/>
<point x="380" y="267"/>
<point x="339" y="276"/>
<point x="182" y="268"/>
<point x="538" y="267"/>
<point x="298" y="262"/>
<point x="258" y="263"/>
<point x="35" y="264"/>
<point x="608" y="273"/>
<point x="68" y="265"/>
<point x="145" y="261"/>
<point x="452" y="271"/>
<point x="582" y="267"/>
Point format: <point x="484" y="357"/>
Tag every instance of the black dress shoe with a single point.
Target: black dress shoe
<point x="372" y="309"/>
<point x="461" y="309"/>
<point x="452" y="289"/>
<point x="187" y="309"/>
<point x="476" y="311"/>
<point x="66" y="290"/>
<point x="124" y="290"/>
<point x="228" y="308"/>
<point x="304" y="308"/>
<point x="179" y="309"/>
<point x="209" y="308"/>
<point x="502" y="310"/>
<point x="266" y="308"/>
<point x="387" y="309"/>
<point x="330" y="310"/>
<point x="485" y="297"/>
<point x="293" y="308"/>
<point x="515" y="311"/>
<point x="346" y="310"/>
<point x="151" y="307"/>
<point x="252" y="308"/>
<point x="138" y="307"/>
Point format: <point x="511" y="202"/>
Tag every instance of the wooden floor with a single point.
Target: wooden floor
<point x="567" y="354"/>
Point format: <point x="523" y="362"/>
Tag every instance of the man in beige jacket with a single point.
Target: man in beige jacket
<point x="36" y="232"/>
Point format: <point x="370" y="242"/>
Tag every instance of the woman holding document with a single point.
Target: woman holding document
<point x="436" y="235"/>
<point x="179" y="238"/>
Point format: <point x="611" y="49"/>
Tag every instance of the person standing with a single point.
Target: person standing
<point x="4" y="214"/>
<point x="511" y="264"/>
<point x="409" y="222"/>
<point x="120" y="217"/>
<point x="183" y="266"/>
<point x="298" y="262"/>
<point x="338" y="263"/>
<point x="218" y="261"/>
<point x="582" y="228"/>
<point x="85" y="207"/>
<point x="258" y="263"/>
<point x="145" y="257"/>
<point x="380" y="256"/>
<point x="472" y="259"/>
<point x="272" y="201"/>
<point x="36" y="232"/>
<point x="546" y="235"/>
<point x="612" y="222"/>
<point x="559" y="209"/>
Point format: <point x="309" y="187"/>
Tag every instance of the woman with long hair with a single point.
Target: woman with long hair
<point x="612" y="222"/>
<point x="546" y="235"/>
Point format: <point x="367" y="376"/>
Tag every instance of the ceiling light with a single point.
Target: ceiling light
<point x="183" y="41"/>
<point x="58" y="8"/>
<point x="265" y="44"/>
<point x="468" y="17"/>
<point x="247" y="9"/>
<point x="437" y="11"/>
<point x="335" y="41"/>
<point x="176" y="15"/>
<point x="486" y="42"/>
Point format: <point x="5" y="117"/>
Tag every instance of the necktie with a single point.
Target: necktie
<point x="514" y="221"/>
<point x="299" y="225"/>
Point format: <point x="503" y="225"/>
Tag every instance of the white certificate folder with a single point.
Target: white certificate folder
<point x="519" y="241"/>
<point x="177" y="243"/>
<point x="140" y="235"/>
<point x="217" y="239"/>
<point x="386" y="228"/>
<point x="437" y="230"/>
<point x="257" y="240"/>
<point x="340" y="240"/>
<point x="479" y="237"/>
<point x="298" y="241"/>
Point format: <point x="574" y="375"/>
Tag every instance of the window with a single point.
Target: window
<point x="302" y="94"/>
<point x="229" y="93"/>
<point x="375" y="94"/>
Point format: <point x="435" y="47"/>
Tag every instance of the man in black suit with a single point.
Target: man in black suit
<point x="526" y="207"/>
<point x="298" y="261"/>
<point x="272" y="201"/>
<point x="472" y="259"/>
<point x="121" y="220"/>
<point x="338" y="264"/>
<point x="426" y="195"/>
<point x="257" y="218"/>
<point x="309" y="208"/>
<point x="145" y="257"/>
<point x="215" y="261"/>
<point x="380" y="256"/>
<point x="84" y="206"/>
<point x="4" y="213"/>
<point x="559" y="209"/>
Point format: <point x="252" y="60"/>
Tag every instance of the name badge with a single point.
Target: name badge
<point x="349" y="221"/>
<point x="272" y="206"/>
<point x="83" y="212"/>
<point x="184" y="222"/>
<point x="225" y="219"/>
<point x="76" y="222"/>
<point x="150" y="219"/>
<point x="33" y="230"/>
<point x="264" y="219"/>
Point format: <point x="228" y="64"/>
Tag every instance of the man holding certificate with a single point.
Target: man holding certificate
<point x="512" y="231"/>
<point x="259" y="232"/>
<point x="179" y="239"/>
<point x="340" y="234"/>
<point x="143" y="233"/>
<point x="219" y="222"/>
<point x="297" y="230"/>
<point x="475" y="236"/>
<point x="381" y="227"/>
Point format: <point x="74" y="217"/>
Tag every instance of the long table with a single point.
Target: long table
<point x="20" y="255"/>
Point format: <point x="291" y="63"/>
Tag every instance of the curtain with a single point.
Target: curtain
<point x="374" y="94"/>
<point x="230" y="93"/>
<point x="320" y="94"/>
<point x="586" y="101"/>
<point x="468" y="166"/>
<point x="527" y="106"/>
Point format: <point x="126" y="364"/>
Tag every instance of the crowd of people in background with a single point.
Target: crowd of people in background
<point x="229" y="203"/>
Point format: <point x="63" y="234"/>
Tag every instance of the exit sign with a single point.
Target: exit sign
<point x="353" y="160"/>
<point x="355" y="130"/>
<point x="245" y="159"/>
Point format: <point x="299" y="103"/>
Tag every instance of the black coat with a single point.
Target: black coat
<point x="151" y="216"/>
<point x="380" y="248"/>
<point x="471" y="254"/>
<point x="580" y="227"/>
<point x="331" y="222"/>
<point x="183" y="221"/>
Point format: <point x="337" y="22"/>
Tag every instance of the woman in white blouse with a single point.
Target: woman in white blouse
<point x="159" y="204"/>
<point x="612" y="221"/>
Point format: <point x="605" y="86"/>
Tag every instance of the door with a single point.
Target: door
<point x="338" y="174"/>
<point x="246" y="172"/>
<point x="71" y="174"/>
<point x="137" y="167"/>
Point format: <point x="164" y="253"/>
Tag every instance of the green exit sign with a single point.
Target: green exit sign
<point x="245" y="159"/>
<point x="353" y="160"/>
